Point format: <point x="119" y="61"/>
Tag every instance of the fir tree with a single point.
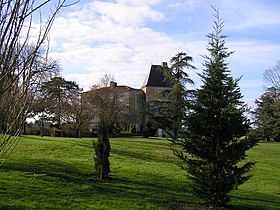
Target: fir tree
<point x="217" y="126"/>
<point x="267" y="115"/>
<point x="102" y="152"/>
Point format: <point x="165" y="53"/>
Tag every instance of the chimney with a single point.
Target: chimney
<point x="164" y="64"/>
<point x="113" y="84"/>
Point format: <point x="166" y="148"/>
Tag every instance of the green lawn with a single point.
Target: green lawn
<point x="57" y="173"/>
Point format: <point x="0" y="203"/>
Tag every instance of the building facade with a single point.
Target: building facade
<point x="131" y="101"/>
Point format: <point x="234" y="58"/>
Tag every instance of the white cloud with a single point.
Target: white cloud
<point x="125" y="14"/>
<point x="183" y="4"/>
<point x="255" y="56"/>
<point x="139" y="2"/>
<point x="113" y="37"/>
<point x="245" y="15"/>
<point x="95" y="40"/>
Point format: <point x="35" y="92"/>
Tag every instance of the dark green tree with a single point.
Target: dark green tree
<point x="102" y="151"/>
<point x="169" y="112"/>
<point x="58" y="93"/>
<point x="216" y="140"/>
<point x="267" y="115"/>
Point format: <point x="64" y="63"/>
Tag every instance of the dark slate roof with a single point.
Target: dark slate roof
<point x="155" y="78"/>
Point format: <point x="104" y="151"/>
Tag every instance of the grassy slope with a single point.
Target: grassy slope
<point x="57" y="173"/>
<point x="262" y="191"/>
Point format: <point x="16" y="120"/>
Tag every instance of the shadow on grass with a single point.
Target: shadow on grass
<point x="47" y="168"/>
<point x="141" y="156"/>
<point x="256" y="201"/>
<point x="62" y="140"/>
<point x="139" y="191"/>
<point x="159" y="142"/>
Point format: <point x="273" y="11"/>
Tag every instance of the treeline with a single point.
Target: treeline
<point x="267" y="111"/>
<point x="61" y="108"/>
<point x="57" y="109"/>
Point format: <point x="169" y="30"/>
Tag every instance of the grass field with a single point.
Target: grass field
<point x="57" y="173"/>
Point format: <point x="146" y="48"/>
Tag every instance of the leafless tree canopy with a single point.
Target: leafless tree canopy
<point x="108" y="105"/>
<point x="106" y="79"/>
<point x="23" y="64"/>
<point x="272" y="76"/>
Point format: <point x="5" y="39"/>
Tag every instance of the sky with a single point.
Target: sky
<point x="125" y="37"/>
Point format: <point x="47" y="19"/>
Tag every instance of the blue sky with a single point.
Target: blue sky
<point x="124" y="37"/>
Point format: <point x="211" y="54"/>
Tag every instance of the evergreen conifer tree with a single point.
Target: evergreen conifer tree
<point x="170" y="110"/>
<point x="217" y="126"/>
<point x="267" y="115"/>
<point x="102" y="151"/>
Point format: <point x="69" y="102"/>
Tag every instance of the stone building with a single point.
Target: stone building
<point x="154" y="83"/>
<point x="133" y="101"/>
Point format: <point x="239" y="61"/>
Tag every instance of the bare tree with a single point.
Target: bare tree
<point x="37" y="109"/>
<point x="79" y="115"/>
<point x="272" y="76"/>
<point x="108" y="105"/>
<point x="20" y="70"/>
<point x="104" y="81"/>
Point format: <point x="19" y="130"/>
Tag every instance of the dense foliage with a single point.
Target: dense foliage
<point x="102" y="152"/>
<point x="57" y="94"/>
<point x="170" y="111"/>
<point x="267" y="112"/>
<point x="216" y="143"/>
<point x="267" y="115"/>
